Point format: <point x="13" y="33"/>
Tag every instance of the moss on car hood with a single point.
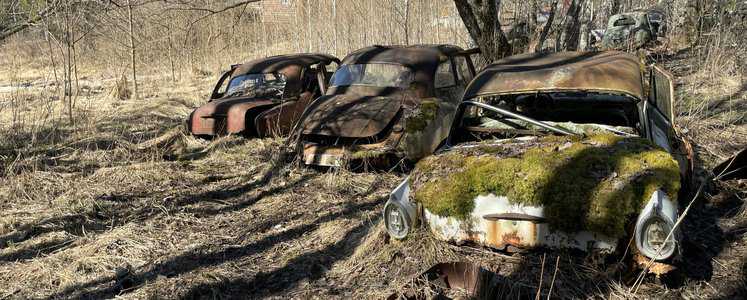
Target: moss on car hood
<point x="584" y="183"/>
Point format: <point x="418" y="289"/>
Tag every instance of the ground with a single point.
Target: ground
<point x="121" y="203"/>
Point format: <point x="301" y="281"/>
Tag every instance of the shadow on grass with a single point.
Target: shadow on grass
<point x="111" y="286"/>
<point x="97" y="221"/>
<point x="40" y="249"/>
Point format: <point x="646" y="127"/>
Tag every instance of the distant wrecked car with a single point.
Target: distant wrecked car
<point x="556" y="150"/>
<point x="634" y="29"/>
<point x="387" y="102"/>
<point x="264" y="97"/>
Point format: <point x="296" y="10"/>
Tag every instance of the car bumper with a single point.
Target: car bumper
<point x="499" y="224"/>
<point x="336" y="156"/>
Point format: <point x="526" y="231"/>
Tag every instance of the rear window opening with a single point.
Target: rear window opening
<point x="380" y="75"/>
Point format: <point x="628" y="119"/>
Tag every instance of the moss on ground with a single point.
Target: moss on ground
<point x="426" y="112"/>
<point x="594" y="183"/>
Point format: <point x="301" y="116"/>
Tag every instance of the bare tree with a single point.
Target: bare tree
<point x="132" y="48"/>
<point x="540" y="41"/>
<point x="482" y="20"/>
<point x="571" y="26"/>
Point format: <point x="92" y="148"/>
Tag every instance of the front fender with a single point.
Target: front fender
<point x="659" y="207"/>
<point x="400" y="215"/>
<point x="426" y="128"/>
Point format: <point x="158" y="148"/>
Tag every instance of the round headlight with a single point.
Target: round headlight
<point x="397" y="221"/>
<point x="654" y="239"/>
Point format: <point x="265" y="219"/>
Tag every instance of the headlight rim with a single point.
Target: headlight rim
<point x="643" y="243"/>
<point x="404" y="217"/>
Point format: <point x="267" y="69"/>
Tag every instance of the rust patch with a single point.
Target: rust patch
<point x="513" y="239"/>
<point x="491" y="236"/>
<point x="609" y="71"/>
<point x="655" y="268"/>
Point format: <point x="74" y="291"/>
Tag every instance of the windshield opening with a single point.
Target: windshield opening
<point x="578" y="113"/>
<point x="269" y="86"/>
<point x="380" y="75"/>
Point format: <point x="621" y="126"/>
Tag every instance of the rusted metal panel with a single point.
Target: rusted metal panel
<point x="323" y="156"/>
<point x="497" y="223"/>
<point x="473" y="279"/>
<point x="224" y="116"/>
<point x="611" y="72"/>
<point x="351" y="115"/>
<point x="279" y="120"/>
<point x="335" y="156"/>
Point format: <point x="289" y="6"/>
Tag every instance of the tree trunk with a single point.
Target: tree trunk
<point x="132" y="48"/>
<point x="571" y="26"/>
<point x="614" y="7"/>
<point x="546" y="29"/>
<point x="482" y="20"/>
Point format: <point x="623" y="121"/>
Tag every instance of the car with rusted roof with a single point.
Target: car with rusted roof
<point x="264" y="97"/>
<point x="566" y="150"/>
<point x="635" y="29"/>
<point x="386" y="104"/>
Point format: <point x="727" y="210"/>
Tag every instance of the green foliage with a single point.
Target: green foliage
<point x="592" y="184"/>
<point x="427" y="112"/>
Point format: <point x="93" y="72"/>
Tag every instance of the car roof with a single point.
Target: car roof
<point x="281" y="62"/>
<point x="608" y="71"/>
<point x="413" y="56"/>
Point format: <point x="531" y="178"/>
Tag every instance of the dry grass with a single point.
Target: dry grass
<point x="122" y="203"/>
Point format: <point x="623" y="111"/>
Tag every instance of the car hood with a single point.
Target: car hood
<point x="591" y="183"/>
<point x="353" y="116"/>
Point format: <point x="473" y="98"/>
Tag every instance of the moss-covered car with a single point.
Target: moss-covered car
<point x="386" y="103"/>
<point x="556" y="150"/>
<point x="263" y="97"/>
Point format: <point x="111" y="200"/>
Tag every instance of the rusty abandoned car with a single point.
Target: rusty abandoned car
<point x="264" y="97"/>
<point x="634" y="29"/>
<point x="386" y="103"/>
<point x="562" y="150"/>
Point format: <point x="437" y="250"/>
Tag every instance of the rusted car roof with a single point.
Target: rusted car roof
<point x="414" y="56"/>
<point x="290" y="65"/>
<point x="611" y="72"/>
<point x="422" y="59"/>
<point x="280" y="62"/>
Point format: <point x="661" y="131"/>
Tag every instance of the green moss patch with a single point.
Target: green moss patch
<point x="425" y="113"/>
<point x="593" y="183"/>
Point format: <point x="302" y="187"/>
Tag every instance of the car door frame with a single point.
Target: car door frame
<point x="659" y="120"/>
<point x="216" y="94"/>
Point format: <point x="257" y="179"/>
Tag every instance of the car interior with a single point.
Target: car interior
<point x="576" y="112"/>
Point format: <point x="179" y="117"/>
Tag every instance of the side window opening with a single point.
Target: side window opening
<point x="446" y="83"/>
<point x="444" y="76"/>
<point x="330" y="69"/>
<point x="310" y="82"/>
<point x="222" y="85"/>
<point x="625" y="21"/>
<point x="463" y="72"/>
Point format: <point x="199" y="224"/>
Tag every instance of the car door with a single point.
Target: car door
<point x="660" y="117"/>
<point x="279" y="120"/>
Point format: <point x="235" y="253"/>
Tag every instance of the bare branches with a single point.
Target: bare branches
<point x="482" y="20"/>
<point x="50" y="9"/>
<point x="210" y="11"/>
